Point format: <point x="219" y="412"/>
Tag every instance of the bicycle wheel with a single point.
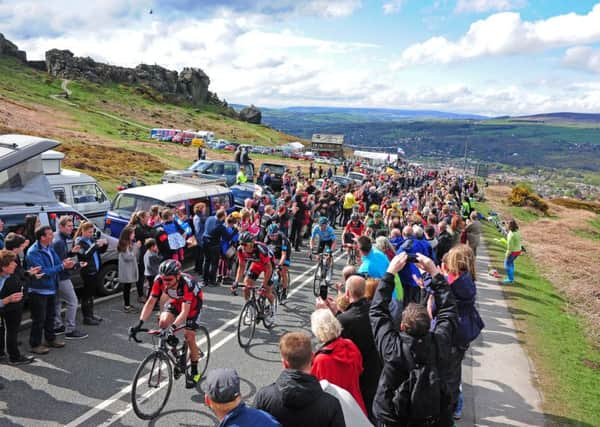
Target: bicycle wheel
<point x="317" y="280"/>
<point x="269" y="321"/>
<point x="247" y="324"/>
<point x="203" y="337"/>
<point x="151" y="385"/>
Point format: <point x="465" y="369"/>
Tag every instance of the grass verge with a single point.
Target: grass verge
<point x="567" y="365"/>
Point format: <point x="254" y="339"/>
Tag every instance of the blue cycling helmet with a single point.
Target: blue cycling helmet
<point x="273" y="229"/>
<point x="323" y="220"/>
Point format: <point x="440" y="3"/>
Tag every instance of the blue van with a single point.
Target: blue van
<point x="171" y="194"/>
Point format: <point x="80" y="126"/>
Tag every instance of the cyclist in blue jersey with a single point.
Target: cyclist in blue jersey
<point x="326" y="236"/>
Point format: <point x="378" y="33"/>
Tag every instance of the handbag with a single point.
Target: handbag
<point x="469" y="327"/>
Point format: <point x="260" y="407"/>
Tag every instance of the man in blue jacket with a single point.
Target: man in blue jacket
<point x="222" y="395"/>
<point x="42" y="291"/>
<point x="214" y="231"/>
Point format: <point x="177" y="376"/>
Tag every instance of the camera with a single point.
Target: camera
<point x="97" y="234"/>
<point x="323" y="292"/>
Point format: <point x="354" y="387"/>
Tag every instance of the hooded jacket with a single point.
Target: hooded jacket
<point x="339" y="361"/>
<point x="296" y="399"/>
<point x="392" y="345"/>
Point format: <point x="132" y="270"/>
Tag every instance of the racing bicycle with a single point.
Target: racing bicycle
<point x="324" y="270"/>
<point x="255" y="310"/>
<point x="168" y="361"/>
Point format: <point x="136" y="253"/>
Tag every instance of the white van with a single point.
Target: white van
<point x="75" y="188"/>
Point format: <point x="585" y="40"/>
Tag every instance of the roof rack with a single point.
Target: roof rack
<point x="192" y="179"/>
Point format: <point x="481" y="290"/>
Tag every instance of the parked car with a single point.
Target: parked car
<point x="357" y="177"/>
<point x="171" y="194"/>
<point x="241" y="192"/>
<point x="277" y="171"/>
<point x="342" y="180"/>
<point x="215" y="169"/>
<point x="229" y="147"/>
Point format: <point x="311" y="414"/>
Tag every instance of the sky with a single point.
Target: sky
<point x="490" y="57"/>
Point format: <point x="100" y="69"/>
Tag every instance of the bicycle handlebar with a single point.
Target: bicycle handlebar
<point x="133" y="331"/>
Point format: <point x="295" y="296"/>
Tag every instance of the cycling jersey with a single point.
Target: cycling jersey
<point x="324" y="236"/>
<point x="187" y="291"/>
<point x="356" y="229"/>
<point x="281" y="245"/>
<point x="260" y="258"/>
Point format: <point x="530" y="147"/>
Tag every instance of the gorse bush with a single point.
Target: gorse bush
<point x="522" y="195"/>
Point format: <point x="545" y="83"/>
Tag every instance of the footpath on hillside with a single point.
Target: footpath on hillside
<point x="498" y="379"/>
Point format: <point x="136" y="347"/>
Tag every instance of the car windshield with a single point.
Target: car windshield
<point x="276" y="169"/>
<point x="200" y="166"/>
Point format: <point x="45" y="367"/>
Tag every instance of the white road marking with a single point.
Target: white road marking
<point x="117" y="396"/>
<point x="111" y="356"/>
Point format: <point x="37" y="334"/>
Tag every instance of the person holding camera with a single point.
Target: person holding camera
<point x="91" y="247"/>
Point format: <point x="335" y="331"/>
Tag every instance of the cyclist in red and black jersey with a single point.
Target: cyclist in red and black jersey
<point x="261" y="261"/>
<point x="184" y="298"/>
<point x="353" y="230"/>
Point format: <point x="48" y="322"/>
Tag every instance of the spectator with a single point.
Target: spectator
<point x="128" y="249"/>
<point x="214" y="232"/>
<point x="1" y="233"/>
<point x="513" y="250"/>
<point x="63" y="240"/>
<point x="11" y="302"/>
<point x="152" y="260"/>
<point x="356" y="327"/>
<point x="154" y="216"/>
<point x="299" y="214"/>
<point x="444" y="242"/>
<point x="370" y="288"/>
<point x="473" y="231"/>
<point x="267" y="180"/>
<point x="383" y="245"/>
<point x="296" y="398"/>
<point x="241" y="177"/>
<point x="143" y="231"/>
<point x="91" y="249"/>
<point x="32" y="222"/>
<point x="461" y="277"/>
<point x="401" y="351"/>
<point x="374" y="262"/>
<point x="199" y="220"/>
<point x="175" y="235"/>
<point x="42" y="290"/>
<point x="222" y="396"/>
<point x="338" y="360"/>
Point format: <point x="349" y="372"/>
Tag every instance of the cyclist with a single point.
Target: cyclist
<point x="261" y="261"/>
<point x="184" y="302"/>
<point x="326" y="236"/>
<point x="282" y="250"/>
<point x="353" y="230"/>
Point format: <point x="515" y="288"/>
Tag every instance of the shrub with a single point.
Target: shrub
<point x="577" y="204"/>
<point x="522" y="195"/>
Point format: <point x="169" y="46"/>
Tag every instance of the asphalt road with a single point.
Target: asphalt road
<point x="87" y="383"/>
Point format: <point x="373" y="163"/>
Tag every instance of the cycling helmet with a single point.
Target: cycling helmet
<point x="273" y="229"/>
<point x="374" y="208"/>
<point x="169" y="267"/>
<point x="323" y="220"/>
<point x="246" y="237"/>
<point x="355" y="216"/>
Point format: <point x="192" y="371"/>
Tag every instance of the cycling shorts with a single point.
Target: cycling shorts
<point x="323" y="244"/>
<point x="255" y="270"/>
<point x="191" y="323"/>
<point x="348" y="238"/>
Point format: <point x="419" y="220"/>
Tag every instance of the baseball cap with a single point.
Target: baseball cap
<point x="222" y="385"/>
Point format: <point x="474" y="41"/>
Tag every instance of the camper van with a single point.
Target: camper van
<point x="75" y="188"/>
<point x="25" y="190"/>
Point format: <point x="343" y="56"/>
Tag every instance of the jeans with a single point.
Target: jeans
<point x="509" y="267"/>
<point x="42" y="318"/>
<point x="296" y="234"/>
<point x="199" y="261"/>
<point x="66" y="294"/>
<point x="126" y="293"/>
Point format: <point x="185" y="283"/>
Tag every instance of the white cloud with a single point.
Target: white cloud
<point x="583" y="58"/>
<point x="480" y="6"/>
<point x="392" y="6"/>
<point x="505" y="34"/>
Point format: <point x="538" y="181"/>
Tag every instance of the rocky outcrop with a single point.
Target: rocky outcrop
<point x="191" y="85"/>
<point x="10" y="49"/>
<point x="251" y="114"/>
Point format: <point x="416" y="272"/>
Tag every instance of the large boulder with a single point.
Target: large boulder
<point x="251" y="114"/>
<point x="10" y="49"/>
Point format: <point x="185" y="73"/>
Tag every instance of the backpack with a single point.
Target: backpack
<point x="421" y="397"/>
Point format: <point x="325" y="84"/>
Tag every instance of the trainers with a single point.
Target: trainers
<point x="55" y="344"/>
<point x="191" y="381"/>
<point x="506" y="281"/>
<point x="130" y="309"/>
<point x="40" y="349"/>
<point x="60" y="330"/>
<point x="76" y="335"/>
<point x="90" y="321"/>
<point x="21" y="360"/>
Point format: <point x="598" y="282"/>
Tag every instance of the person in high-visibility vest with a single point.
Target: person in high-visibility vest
<point x="241" y="177"/>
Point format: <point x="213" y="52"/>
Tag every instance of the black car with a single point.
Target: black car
<point x="277" y="172"/>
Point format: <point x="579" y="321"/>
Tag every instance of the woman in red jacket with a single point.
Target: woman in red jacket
<point x="338" y="360"/>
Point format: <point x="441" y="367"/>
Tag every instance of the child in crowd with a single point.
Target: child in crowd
<point x="128" y="250"/>
<point x="152" y="260"/>
<point x="175" y="234"/>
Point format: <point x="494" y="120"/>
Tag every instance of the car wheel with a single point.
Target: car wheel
<point x="109" y="280"/>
